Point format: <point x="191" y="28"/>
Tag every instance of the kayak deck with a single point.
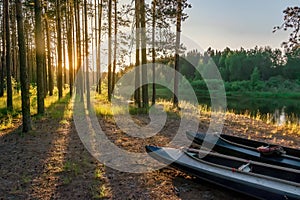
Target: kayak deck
<point x="240" y="150"/>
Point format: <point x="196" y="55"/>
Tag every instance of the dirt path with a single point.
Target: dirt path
<point x="52" y="163"/>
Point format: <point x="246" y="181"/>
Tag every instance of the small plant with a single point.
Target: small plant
<point x="26" y="179"/>
<point x="67" y="180"/>
<point x="7" y="122"/>
<point x="100" y="192"/>
<point x="71" y="167"/>
<point x="103" y="191"/>
<point x="98" y="174"/>
<point x="64" y="122"/>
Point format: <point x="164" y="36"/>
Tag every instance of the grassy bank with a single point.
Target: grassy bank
<point x="8" y="119"/>
<point x="104" y="109"/>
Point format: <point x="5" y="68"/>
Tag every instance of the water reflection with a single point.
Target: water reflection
<point x="279" y="111"/>
<point x="279" y="116"/>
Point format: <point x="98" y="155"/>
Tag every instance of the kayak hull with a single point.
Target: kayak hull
<point x="260" y="187"/>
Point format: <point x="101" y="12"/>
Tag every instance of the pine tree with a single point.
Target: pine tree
<point x="23" y="70"/>
<point x="40" y="52"/>
<point x="9" y="102"/>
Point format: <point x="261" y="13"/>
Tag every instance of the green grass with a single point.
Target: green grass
<point x="71" y="167"/>
<point x="100" y="192"/>
<point x="7" y="118"/>
<point x="98" y="174"/>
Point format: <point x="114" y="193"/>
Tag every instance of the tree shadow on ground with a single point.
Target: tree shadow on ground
<point x="47" y="162"/>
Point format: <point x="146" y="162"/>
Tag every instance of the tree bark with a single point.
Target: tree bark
<point x="14" y="59"/>
<point x="2" y="59"/>
<point x="178" y="32"/>
<point x="137" y="94"/>
<point x="40" y="52"/>
<point x="59" y="51"/>
<point x="145" y="97"/>
<point x="96" y="2"/>
<point x="115" y="47"/>
<point x="64" y="56"/>
<point x="2" y="74"/>
<point x="33" y="64"/>
<point x="9" y="102"/>
<point x="70" y="44"/>
<point x="153" y="50"/>
<point x="99" y="50"/>
<point x="79" y="70"/>
<point x="45" y="66"/>
<point x="23" y="70"/>
<point x="28" y="50"/>
<point x="50" y="73"/>
<point x="109" y="85"/>
<point x="86" y="56"/>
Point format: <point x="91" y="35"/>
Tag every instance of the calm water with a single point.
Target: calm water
<point x="281" y="110"/>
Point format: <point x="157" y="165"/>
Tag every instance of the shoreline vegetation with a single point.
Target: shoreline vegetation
<point x="292" y="126"/>
<point x="8" y="119"/>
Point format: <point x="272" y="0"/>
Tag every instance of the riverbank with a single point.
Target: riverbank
<point x="277" y="107"/>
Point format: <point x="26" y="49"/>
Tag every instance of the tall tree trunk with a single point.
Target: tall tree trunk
<point x="2" y="59"/>
<point x="23" y="70"/>
<point x="92" y="53"/>
<point x="115" y="47"/>
<point x="153" y="50"/>
<point x="70" y="43"/>
<point x="59" y="51"/>
<point x="178" y="32"/>
<point x="64" y="56"/>
<point x="40" y="52"/>
<point x="79" y="87"/>
<point x="2" y="75"/>
<point x="96" y="41"/>
<point x="33" y="63"/>
<point x="50" y="73"/>
<point x="45" y="72"/>
<point x="137" y="94"/>
<point x="83" y="48"/>
<point x="28" y="50"/>
<point x="14" y="44"/>
<point x="99" y="49"/>
<point x="86" y="56"/>
<point x="9" y="102"/>
<point x="144" y="56"/>
<point x="109" y="84"/>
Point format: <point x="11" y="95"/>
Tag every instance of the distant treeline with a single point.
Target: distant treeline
<point x="258" y="69"/>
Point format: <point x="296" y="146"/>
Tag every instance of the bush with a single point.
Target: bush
<point x="214" y="84"/>
<point x="199" y="85"/>
<point x="237" y="86"/>
<point x="274" y="82"/>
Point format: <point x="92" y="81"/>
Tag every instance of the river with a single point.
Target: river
<point x="279" y="110"/>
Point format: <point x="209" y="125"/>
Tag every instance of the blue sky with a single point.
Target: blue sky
<point x="236" y="23"/>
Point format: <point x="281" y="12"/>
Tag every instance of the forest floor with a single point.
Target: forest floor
<point x="51" y="162"/>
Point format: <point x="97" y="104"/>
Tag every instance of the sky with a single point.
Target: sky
<point x="236" y="23"/>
